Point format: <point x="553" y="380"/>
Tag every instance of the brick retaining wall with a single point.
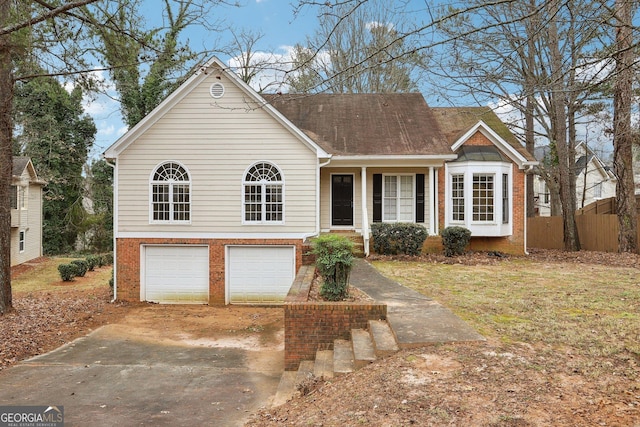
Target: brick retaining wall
<point x="311" y="325"/>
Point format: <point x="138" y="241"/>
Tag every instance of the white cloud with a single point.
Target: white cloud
<point x="375" y="24"/>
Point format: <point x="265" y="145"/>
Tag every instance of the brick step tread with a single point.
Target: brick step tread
<point x="384" y="341"/>
<point x="363" y="350"/>
<point x="323" y="366"/>
<point x="342" y="357"/>
<point x="287" y="388"/>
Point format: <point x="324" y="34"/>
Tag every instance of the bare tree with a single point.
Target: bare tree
<point x="359" y="47"/>
<point x="622" y="133"/>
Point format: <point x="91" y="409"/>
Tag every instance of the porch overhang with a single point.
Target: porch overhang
<point x="409" y="161"/>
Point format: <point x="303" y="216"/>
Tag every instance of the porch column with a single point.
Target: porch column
<point x="433" y="198"/>
<point x="365" y="216"/>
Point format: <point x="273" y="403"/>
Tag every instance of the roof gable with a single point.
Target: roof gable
<point x="460" y="124"/>
<point x="212" y="66"/>
<point x="22" y="164"/>
<point x="366" y="124"/>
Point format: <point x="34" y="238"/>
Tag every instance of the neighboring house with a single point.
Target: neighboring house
<point x="218" y="190"/>
<point x="594" y="180"/>
<point x="26" y="212"/>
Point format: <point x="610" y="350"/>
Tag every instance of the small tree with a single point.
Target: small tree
<point x="334" y="257"/>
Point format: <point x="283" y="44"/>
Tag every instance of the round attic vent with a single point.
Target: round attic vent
<point x="216" y="90"/>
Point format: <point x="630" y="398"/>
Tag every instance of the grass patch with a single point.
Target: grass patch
<point x="44" y="276"/>
<point x="593" y="309"/>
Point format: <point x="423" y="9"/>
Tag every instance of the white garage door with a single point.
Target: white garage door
<point x="259" y="274"/>
<point x="176" y="274"/>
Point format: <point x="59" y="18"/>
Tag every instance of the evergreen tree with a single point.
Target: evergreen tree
<point x="53" y="130"/>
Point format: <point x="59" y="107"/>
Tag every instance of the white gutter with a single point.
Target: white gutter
<point x="115" y="228"/>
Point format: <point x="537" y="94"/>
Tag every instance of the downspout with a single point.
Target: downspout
<point x="115" y="230"/>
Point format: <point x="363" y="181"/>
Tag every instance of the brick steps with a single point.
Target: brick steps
<point x="365" y="347"/>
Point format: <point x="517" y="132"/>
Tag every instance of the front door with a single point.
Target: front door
<point x="342" y="200"/>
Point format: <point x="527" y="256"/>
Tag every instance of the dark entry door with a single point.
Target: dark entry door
<point x="342" y="200"/>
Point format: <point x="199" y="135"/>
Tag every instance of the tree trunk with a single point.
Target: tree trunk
<point x="6" y="160"/>
<point x="558" y="117"/>
<point x="622" y="136"/>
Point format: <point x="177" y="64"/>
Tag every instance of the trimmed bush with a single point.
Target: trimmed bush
<point x="399" y="238"/>
<point x="81" y="267"/>
<point x="92" y="262"/>
<point x="67" y="271"/>
<point x="455" y="240"/>
<point x="334" y="257"/>
<point x="107" y="258"/>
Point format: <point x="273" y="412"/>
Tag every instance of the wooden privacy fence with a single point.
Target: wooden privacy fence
<point x="596" y="232"/>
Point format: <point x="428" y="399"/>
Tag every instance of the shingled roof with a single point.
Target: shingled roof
<point x="366" y="124"/>
<point x="456" y="121"/>
<point x="19" y="164"/>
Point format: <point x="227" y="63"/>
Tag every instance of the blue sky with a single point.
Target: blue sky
<point x="273" y="18"/>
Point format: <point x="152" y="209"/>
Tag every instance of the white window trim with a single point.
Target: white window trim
<point x="413" y="198"/>
<point x="23" y="197"/>
<point x="151" y="184"/>
<point x="262" y="183"/>
<point x="22" y="241"/>
<point x="495" y="227"/>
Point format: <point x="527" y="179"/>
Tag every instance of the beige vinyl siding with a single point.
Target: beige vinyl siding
<point x="31" y="224"/>
<point x="325" y="192"/>
<point x="217" y="141"/>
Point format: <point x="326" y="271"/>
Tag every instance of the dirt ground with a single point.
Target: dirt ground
<point x="497" y="384"/>
<point x="44" y="320"/>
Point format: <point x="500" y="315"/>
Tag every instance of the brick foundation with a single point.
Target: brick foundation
<point x="311" y="326"/>
<point x="128" y="262"/>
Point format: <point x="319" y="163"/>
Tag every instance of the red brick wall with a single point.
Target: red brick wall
<point x="312" y="326"/>
<point x="513" y="244"/>
<point x="128" y="262"/>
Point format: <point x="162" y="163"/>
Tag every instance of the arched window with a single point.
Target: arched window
<point x="170" y="193"/>
<point x="263" y="194"/>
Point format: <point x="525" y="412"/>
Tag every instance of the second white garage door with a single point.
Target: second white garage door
<point x="259" y="274"/>
<point x="176" y="274"/>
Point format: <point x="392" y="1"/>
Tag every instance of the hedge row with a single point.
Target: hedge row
<point x="79" y="267"/>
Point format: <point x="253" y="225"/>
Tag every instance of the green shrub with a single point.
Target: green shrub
<point x="67" y="271"/>
<point x="107" y="258"/>
<point x="399" y="238"/>
<point x="81" y="267"/>
<point x="455" y="240"/>
<point x="334" y="257"/>
<point x="92" y="262"/>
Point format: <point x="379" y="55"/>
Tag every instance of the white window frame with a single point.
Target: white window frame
<point x="14" y="196"/>
<point x="485" y="228"/>
<point x="398" y="198"/>
<point x="22" y="241"/>
<point x="172" y="184"/>
<point x="262" y="184"/>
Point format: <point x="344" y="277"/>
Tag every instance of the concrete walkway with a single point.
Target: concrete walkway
<point x="415" y="319"/>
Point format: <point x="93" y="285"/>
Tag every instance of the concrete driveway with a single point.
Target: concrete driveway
<point x="160" y="366"/>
